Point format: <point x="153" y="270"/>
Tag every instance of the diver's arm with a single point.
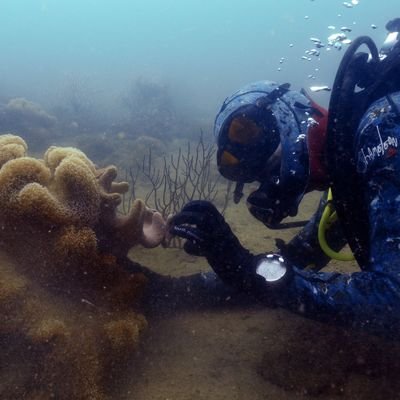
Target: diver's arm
<point x="203" y="290"/>
<point x="368" y="300"/>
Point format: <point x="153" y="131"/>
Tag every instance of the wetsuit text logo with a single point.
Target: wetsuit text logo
<point x="381" y="149"/>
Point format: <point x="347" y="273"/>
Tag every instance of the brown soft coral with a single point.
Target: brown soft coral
<point x="11" y="147"/>
<point x="67" y="305"/>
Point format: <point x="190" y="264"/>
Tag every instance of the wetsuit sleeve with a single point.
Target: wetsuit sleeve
<point x="369" y="299"/>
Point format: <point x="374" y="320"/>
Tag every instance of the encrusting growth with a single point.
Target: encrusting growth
<point x="67" y="305"/>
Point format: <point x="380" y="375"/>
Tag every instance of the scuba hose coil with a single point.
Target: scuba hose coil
<point x="328" y="217"/>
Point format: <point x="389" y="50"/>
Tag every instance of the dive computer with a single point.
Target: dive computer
<point x="272" y="267"/>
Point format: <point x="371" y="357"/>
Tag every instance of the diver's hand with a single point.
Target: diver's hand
<point x="207" y="234"/>
<point x="204" y="228"/>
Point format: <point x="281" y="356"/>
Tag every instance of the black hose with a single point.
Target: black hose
<point x="339" y="89"/>
<point x="345" y="108"/>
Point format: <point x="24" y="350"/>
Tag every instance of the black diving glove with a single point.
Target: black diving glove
<point x="207" y="234"/>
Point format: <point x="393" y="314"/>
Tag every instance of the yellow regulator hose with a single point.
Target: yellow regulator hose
<point x="328" y="217"/>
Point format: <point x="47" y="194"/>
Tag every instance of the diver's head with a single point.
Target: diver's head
<point x="247" y="132"/>
<point x="260" y="132"/>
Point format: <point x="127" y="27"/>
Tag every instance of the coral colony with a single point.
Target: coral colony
<point x="69" y="309"/>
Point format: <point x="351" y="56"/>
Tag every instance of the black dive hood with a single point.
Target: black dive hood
<point x="282" y="114"/>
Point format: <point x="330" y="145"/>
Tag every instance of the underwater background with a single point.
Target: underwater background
<point x="137" y="84"/>
<point x="203" y="49"/>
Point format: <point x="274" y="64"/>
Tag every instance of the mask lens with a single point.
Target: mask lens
<point x="241" y="157"/>
<point x="228" y="159"/>
<point x="243" y="130"/>
<point x="246" y="140"/>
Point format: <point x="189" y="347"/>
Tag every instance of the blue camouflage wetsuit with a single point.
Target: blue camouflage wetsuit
<point x="369" y="299"/>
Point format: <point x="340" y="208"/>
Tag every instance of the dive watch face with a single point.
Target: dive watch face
<point x="272" y="268"/>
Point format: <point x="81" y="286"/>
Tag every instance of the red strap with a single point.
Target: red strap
<point x="316" y="144"/>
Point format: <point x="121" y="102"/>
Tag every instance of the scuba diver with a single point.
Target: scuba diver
<point x="280" y="138"/>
